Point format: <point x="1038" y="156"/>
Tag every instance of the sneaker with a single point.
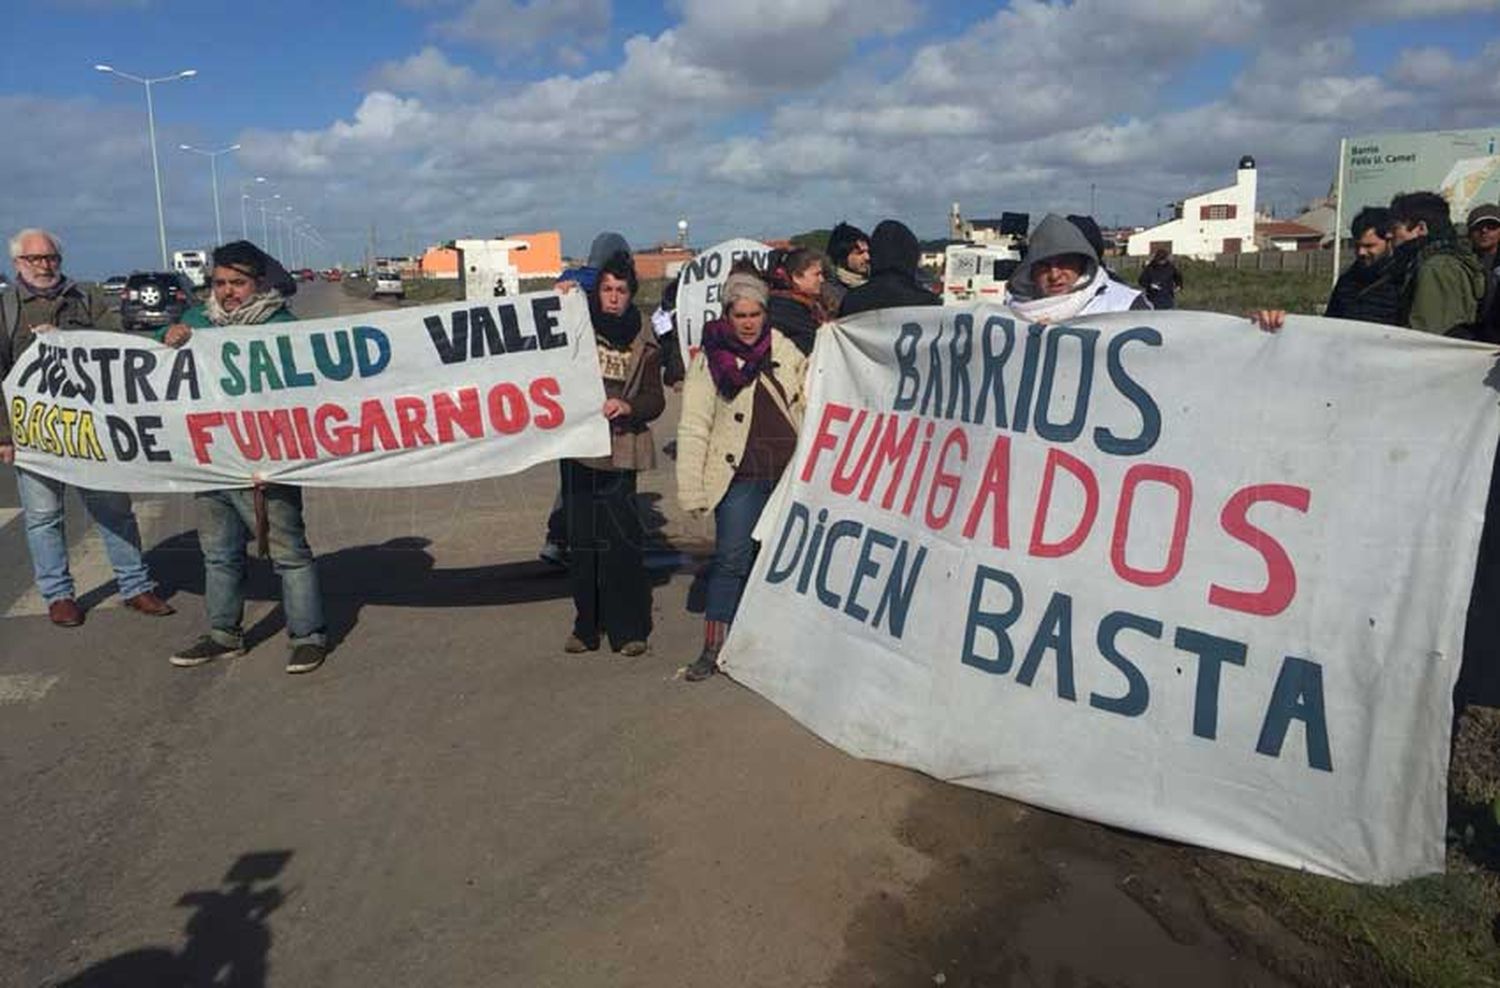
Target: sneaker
<point x="554" y="555"/>
<point x="576" y="646"/>
<point x="631" y="649"/>
<point x="704" y="666"/>
<point x="306" y="658"/>
<point x="205" y="649"/>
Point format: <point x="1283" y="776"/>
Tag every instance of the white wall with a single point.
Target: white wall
<point x="1192" y="236"/>
<point x="481" y="263"/>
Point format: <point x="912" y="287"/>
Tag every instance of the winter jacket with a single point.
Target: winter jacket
<point x="1369" y="293"/>
<point x="631" y="445"/>
<point x="1161" y="282"/>
<point x="1055" y="236"/>
<point x="1443" y="287"/>
<point x="893" y="273"/>
<point x="75" y="307"/>
<point x="711" y="432"/>
<point x="794" y="318"/>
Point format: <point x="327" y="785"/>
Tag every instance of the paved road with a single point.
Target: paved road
<point x="452" y="800"/>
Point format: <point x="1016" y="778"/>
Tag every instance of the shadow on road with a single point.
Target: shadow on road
<point x="228" y="937"/>
<point x="399" y="572"/>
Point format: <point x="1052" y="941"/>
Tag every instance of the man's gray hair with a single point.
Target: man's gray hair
<point x="32" y="231"/>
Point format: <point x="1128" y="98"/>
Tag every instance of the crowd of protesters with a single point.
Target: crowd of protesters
<point x="743" y="399"/>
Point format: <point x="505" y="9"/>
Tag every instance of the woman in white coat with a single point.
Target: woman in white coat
<point x="742" y="405"/>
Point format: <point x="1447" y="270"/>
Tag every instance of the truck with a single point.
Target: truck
<point x="978" y="271"/>
<point x="194" y="264"/>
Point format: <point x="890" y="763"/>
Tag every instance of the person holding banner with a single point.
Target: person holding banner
<point x="1062" y="278"/>
<point x="605" y="560"/>
<point x="742" y="405"/>
<point x="44" y="301"/>
<point x="247" y="291"/>
<point x="796" y="307"/>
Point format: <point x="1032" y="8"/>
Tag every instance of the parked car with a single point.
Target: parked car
<point x="154" y="298"/>
<point x="114" y="285"/>
<point x="388" y="283"/>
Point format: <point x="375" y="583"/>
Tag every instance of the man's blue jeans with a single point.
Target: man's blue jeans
<point x="226" y="521"/>
<point x="734" y="551"/>
<point x="42" y="500"/>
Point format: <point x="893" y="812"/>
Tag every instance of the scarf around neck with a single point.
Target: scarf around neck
<point x="618" y="331"/>
<point x="1049" y="309"/>
<point x="256" y="309"/>
<point x="732" y="363"/>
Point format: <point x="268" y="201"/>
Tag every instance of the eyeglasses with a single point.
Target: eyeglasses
<point x="40" y="258"/>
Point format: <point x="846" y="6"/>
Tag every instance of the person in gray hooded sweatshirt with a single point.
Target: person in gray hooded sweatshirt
<point x="606" y="245"/>
<point x="1061" y="278"/>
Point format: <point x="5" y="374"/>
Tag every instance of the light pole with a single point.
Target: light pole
<point x="265" y="226"/>
<point x="213" y="167"/>
<point x="161" y="219"/>
<point x="245" y="197"/>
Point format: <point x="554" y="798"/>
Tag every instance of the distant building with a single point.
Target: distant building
<point x="1220" y="221"/>
<point x="526" y="255"/>
<point x="661" y="261"/>
<point x="1006" y="230"/>
<point x="1287" y="235"/>
<point x="440" y="261"/>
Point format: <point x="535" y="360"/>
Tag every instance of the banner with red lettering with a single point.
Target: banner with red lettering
<point x="1160" y="570"/>
<point x="429" y="395"/>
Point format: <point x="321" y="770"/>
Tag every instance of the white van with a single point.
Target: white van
<point x="194" y="264"/>
<point x="977" y="271"/>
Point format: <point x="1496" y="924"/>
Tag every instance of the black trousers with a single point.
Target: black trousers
<point x="605" y="564"/>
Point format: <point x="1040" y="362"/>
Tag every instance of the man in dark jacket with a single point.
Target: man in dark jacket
<point x="1442" y="283"/>
<point x="894" y="253"/>
<point x="1484" y="236"/>
<point x="44" y="301"/>
<point x="1370" y="290"/>
<point x="1161" y="280"/>
<point x="849" y="252"/>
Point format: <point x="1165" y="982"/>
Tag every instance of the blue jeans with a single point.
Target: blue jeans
<point x="42" y="500"/>
<point x="226" y="521"/>
<point x="734" y="551"/>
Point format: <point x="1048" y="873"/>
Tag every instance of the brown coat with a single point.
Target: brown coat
<point x="630" y="435"/>
<point x="77" y="307"/>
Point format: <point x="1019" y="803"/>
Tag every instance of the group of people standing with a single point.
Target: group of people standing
<point x="743" y="397"/>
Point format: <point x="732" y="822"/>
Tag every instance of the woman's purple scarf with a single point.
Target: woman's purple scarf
<point x="731" y="363"/>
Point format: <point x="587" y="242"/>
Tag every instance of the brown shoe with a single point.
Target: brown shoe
<point x="65" y="613"/>
<point x="149" y="604"/>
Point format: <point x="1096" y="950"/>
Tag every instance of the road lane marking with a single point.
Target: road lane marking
<point x="25" y="687"/>
<point x="6" y="514"/>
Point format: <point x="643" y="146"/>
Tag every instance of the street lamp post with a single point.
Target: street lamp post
<point x="265" y="225"/>
<point x="213" y="167"/>
<point x="161" y="219"/>
<point x="244" y="198"/>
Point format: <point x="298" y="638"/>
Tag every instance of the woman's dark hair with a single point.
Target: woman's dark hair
<point x="1376" y="218"/>
<point x="621" y="266"/>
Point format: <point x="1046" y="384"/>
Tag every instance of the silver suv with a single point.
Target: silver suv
<point x="388" y="283"/>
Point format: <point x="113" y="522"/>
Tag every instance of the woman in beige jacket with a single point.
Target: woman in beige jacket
<point x="742" y="405"/>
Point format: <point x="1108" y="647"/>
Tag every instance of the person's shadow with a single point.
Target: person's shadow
<point x="228" y="936"/>
<point x="399" y="572"/>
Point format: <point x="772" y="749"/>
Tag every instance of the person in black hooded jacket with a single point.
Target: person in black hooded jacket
<point x="893" y="273"/>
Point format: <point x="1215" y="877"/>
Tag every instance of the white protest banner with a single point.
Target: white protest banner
<point x="1160" y="570"/>
<point x="403" y="398"/>
<point x="698" y="288"/>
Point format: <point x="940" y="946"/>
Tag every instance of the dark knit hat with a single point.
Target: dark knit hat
<point x="246" y="258"/>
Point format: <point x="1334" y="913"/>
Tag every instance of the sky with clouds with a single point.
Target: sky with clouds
<point x="435" y="119"/>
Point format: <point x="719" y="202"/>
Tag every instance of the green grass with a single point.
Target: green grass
<point x="1214" y="289"/>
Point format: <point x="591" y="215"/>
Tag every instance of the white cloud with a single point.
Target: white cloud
<point x="427" y="73"/>
<point x="523" y="26"/>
